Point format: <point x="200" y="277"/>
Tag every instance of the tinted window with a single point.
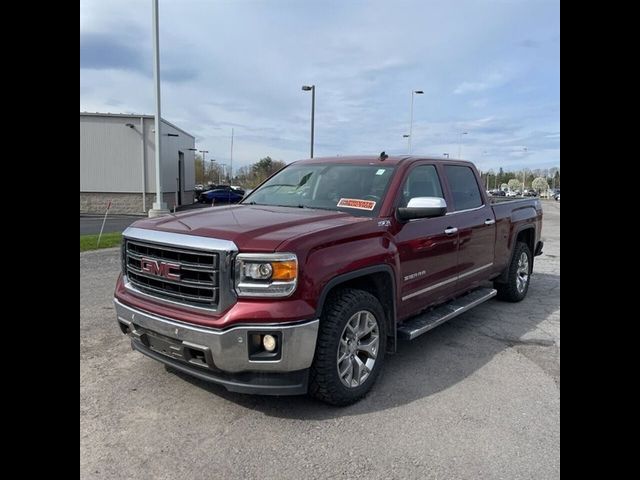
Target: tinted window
<point x="422" y="182"/>
<point x="350" y="188"/>
<point x="464" y="187"/>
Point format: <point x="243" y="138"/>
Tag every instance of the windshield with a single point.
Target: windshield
<point x="355" y="189"/>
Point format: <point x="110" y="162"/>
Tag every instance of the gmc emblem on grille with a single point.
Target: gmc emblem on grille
<point x="167" y="270"/>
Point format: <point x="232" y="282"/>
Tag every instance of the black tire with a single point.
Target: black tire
<point x="324" y="380"/>
<point x="510" y="291"/>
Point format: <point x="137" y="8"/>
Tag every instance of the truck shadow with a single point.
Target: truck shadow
<point x="439" y="359"/>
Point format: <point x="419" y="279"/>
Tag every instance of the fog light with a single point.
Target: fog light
<point x="269" y="343"/>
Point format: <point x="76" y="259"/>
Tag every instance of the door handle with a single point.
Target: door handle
<point x="489" y="221"/>
<point x="450" y="230"/>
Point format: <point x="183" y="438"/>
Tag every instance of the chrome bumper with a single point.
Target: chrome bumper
<point x="225" y="350"/>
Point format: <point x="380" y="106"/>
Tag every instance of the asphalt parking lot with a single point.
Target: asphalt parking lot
<point x="90" y="224"/>
<point x="476" y="398"/>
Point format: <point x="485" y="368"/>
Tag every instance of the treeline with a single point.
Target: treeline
<point x="251" y="176"/>
<point x="247" y="177"/>
<point x="493" y="179"/>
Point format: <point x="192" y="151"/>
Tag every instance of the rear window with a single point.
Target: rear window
<point x="464" y="187"/>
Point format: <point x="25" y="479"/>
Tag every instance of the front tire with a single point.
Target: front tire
<point x="518" y="275"/>
<point x="350" y="348"/>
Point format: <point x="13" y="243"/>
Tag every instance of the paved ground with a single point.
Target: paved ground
<point x="476" y="398"/>
<point x="90" y="224"/>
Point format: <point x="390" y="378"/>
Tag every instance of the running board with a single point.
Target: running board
<point x="416" y="326"/>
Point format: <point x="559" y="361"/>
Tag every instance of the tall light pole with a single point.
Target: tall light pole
<point x="524" y="172"/>
<point x="195" y="150"/>
<point x="203" y="152"/>
<point x="413" y="93"/>
<point x="159" y="207"/>
<point x="223" y="168"/>
<point x="213" y="160"/>
<point x="460" y="143"/>
<point x="231" y="161"/>
<point x="306" y="88"/>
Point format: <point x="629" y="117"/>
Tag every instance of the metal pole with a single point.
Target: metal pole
<point x="231" y="162"/>
<point x="411" y="122"/>
<point x="313" y="114"/>
<point x="144" y="169"/>
<point x="524" y="173"/>
<point x="159" y="207"/>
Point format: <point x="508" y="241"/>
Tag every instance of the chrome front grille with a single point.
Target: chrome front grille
<point x="179" y="275"/>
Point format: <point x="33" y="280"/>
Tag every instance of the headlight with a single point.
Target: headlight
<point x="266" y="274"/>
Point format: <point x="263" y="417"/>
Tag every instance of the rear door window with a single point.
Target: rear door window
<point x="464" y="187"/>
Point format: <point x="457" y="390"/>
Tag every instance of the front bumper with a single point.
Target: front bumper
<point x="222" y="356"/>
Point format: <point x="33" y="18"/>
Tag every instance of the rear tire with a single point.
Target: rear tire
<point x="518" y="275"/>
<point x="350" y="348"/>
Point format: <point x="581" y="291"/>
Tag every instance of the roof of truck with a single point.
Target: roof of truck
<point x="377" y="159"/>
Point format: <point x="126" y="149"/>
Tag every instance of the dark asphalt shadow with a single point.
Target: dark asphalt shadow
<point x="434" y="361"/>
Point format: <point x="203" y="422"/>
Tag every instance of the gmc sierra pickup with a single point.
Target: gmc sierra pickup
<point x="307" y="283"/>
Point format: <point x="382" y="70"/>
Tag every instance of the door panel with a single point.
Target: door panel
<point x="476" y="226"/>
<point x="428" y="255"/>
<point x="476" y="245"/>
<point x="428" y="261"/>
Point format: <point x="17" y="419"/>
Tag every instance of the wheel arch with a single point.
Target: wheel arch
<point x="527" y="235"/>
<point x="378" y="280"/>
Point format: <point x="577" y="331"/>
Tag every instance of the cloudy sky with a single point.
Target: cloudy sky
<point x="487" y="67"/>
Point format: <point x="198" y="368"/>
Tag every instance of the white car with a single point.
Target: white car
<point x="511" y="193"/>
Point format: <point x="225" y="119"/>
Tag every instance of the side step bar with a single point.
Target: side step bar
<point x="416" y="326"/>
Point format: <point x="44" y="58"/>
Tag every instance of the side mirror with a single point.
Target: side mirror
<point x="422" y="207"/>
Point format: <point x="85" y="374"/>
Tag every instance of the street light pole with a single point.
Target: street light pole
<point x="524" y="172"/>
<point x="306" y="88"/>
<point x="416" y="92"/>
<point x="231" y="161"/>
<point x="203" y="152"/>
<point x="460" y="144"/>
<point x="195" y="150"/>
<point x="159" y="207"/>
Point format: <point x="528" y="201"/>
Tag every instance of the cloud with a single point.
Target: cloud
<point x="489" y="81"/>
<point x="103" y="51"/>
<point x="528" y="43"/>
<point x="228" y="66"/>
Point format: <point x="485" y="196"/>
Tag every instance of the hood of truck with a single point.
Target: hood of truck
<point x="257" y="228"/>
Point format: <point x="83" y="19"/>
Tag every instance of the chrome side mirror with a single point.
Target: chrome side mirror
<point x="423" y="207"/>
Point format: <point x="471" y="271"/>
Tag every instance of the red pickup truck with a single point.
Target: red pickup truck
<point x="305" y="285"/>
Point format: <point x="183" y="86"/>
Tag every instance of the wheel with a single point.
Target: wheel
<point x="518" y="276"/>
<point x="350" y="348"/>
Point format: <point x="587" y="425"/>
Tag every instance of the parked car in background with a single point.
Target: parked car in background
<point x="512" y="193"/>
<point x="221" y="194"/>
<point x="498" y="193"/>
<point x="530" y="193"/>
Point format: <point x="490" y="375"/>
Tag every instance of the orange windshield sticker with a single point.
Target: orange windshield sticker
<point x="355" y="203"/>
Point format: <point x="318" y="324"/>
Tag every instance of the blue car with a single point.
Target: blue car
<point x="221" y="194"/>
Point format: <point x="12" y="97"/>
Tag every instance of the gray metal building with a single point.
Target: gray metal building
<point x="117" y="163"/>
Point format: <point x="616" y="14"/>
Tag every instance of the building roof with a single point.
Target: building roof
<point x="132" y="115"/>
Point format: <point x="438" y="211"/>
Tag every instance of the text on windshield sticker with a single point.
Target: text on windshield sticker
<point x="355" y="203"/>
